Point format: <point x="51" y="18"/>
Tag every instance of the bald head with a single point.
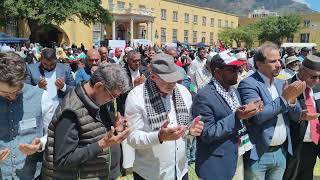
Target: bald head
<point x="93" y="57"/>
<point x="103" y="53"/>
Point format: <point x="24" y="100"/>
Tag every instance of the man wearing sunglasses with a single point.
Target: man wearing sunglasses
<point x="25" y="112"/>
<point x="158" y="112"/>
<point x="80" y="134"/>
<point x="219" y="105"/>
<point x="305" y="134"/>
<point x="269" y="130"/>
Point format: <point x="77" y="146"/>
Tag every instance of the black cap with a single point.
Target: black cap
<point x="305" y="49"/>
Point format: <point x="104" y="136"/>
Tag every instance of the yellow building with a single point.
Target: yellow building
<point x="309" y="33"/>
<point x="160" y="21"/>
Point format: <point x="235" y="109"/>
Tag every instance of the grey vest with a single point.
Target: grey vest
<point x="20" y="122"/>
<point x="91" y="130"/>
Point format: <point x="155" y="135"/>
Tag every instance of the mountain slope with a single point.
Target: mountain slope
<point x="243" y="7"/>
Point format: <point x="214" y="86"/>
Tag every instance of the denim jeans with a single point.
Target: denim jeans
<point x="270" y="166"/>
<point x="191" y="149"/>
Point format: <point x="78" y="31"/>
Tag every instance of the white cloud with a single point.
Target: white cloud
<point x="303" y="2"/>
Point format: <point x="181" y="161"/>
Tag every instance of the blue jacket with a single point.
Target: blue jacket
<point x="217" y="147"/>
<point x="261" y="127"/>
<point x="62" y="71"/>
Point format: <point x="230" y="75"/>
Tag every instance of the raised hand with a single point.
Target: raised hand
<point x="170" y="134"/>
<point x="292" y="91"/>
<point x="196" y="126"/>
<point x="42" y="83"/>
<point x="60" y="83"/>
<point x="249" y="110"/>
<point x="121" y="123"/>
<point x="29" y="149"/>
<point x="309" y="116"/>
<point x="110" y="138"/>
<point x="4" y="154"/>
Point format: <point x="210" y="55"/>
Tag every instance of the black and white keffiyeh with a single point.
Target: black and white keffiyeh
<point x="230" y="98"/>
<point x="155" y="108"/>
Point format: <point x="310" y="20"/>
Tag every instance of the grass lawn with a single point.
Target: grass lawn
<point x="193" y="176"/>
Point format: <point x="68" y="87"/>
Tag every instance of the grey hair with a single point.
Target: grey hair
<point x="169" y="48"/>
<point x="131" y="54"/>
<point x="113" y="76"/>
<point x="13" y="70"/>
<point x="260" y="55"/>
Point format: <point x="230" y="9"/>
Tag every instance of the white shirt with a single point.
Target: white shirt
<point x="154" y="160"/>
<point x="134" y="74"/>
<point x="201" y="78"/>
<point x="48" y="108"/>
<point x="50" y="77"/>
<point x="195" y="65"/>
<point x="280" y="131"/>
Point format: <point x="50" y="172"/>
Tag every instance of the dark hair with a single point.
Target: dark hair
<point x="260" y="54"/>
<point x="201" y="48"/>
<point x="49" y="54"/>
<point x="13" y="70"/>
<point x="216" y="62"/>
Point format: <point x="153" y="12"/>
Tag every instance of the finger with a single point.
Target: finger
<point x="285" y="85"/>
<point x="4" y="154"/>
<point x="110" y="133"/>
<point x="165" y="124"/>
<point x="36" y="141"/>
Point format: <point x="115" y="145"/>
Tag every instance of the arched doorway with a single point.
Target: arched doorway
<point x="48" y="35"/>
<point x="121" y="32"/>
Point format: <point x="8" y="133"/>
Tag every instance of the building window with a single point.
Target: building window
<point x="203" y="37"/>
<point x="121" y="4"/>
<point x="163" y="14"/>
<point x="186" y="17"/>
<point x="204" y="21"/>
<point x="304" y="38"/>
<point x="174" y="35"/>
<point x="290" y="39"/>
<point x="232" y="24"/>
<point x="194" y="37"/>
<point x="96" y="33"/>
<point x="175" y="16"/>
<point x="219" y="23"/>
<point x="186" y="36"/>
<point x="226" y="24"/>
<point x="142" y="7"/>
<point x="12" y="27"/>
<point x="212" y="22"/>
<point x="163" y="35"/>
<point x="195" y="19"/>
<point x="211" y="38"/>
<point x="306" y="23"/>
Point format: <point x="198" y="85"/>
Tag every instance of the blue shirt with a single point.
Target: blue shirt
<point x="83" y="74"/>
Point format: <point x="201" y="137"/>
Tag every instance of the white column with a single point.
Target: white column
<point x="131" y="30"/>
<point x="113" y="30"/>
<point x="151" y="32"/>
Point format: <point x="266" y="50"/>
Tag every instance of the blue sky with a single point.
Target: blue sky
<point x="313" y="4"/>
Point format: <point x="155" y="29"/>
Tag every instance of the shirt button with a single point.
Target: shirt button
<point x="14" y="156"/>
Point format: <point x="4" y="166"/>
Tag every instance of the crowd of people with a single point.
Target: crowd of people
<point x="72" y="113"/>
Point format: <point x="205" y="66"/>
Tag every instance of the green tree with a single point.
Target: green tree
<point x="276" y="29"/>
<point x="241" y="36"/>
<point x="45" y="12"/>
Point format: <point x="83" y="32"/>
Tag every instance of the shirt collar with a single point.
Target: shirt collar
<point x="265" y="79"/>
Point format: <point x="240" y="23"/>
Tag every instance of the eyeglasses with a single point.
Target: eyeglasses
<point x="232" y="68"/>
<point x="312" y="76"/>
<point x="112" y="96"/>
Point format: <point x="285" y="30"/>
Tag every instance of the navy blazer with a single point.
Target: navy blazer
<point x="217" y="147"/>
<point x="62" y="71"/>
<point x="261" y="128"/>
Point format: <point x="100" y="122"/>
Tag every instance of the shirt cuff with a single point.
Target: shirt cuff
<point x="154" y="137"/>
<point x="43" y="141"/>
<point x="286" y="102"/>
<point x="64" y="88"/>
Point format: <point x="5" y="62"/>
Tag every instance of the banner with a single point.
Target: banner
<point x="120" y="44"/>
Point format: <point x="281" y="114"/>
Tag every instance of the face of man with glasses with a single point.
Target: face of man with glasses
<point x="10" y="92"/>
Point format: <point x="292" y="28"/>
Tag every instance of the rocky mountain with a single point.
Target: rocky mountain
<point x="243" y="7"/>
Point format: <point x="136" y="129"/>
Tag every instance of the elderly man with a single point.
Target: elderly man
<point x="50" y="75"/>
<point x="25" y="112"/>
<point x="305" y="135"/>
<point x="93" y="60"/>
<point x="79" y="136"/>
<point x="104" y="55"/>
<point x="219" y="105"/>
<point x="269" y="130"/>
<point x="292" y="65"/>
<point x="137" y="74"/>
<point x="158" y="112"/>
